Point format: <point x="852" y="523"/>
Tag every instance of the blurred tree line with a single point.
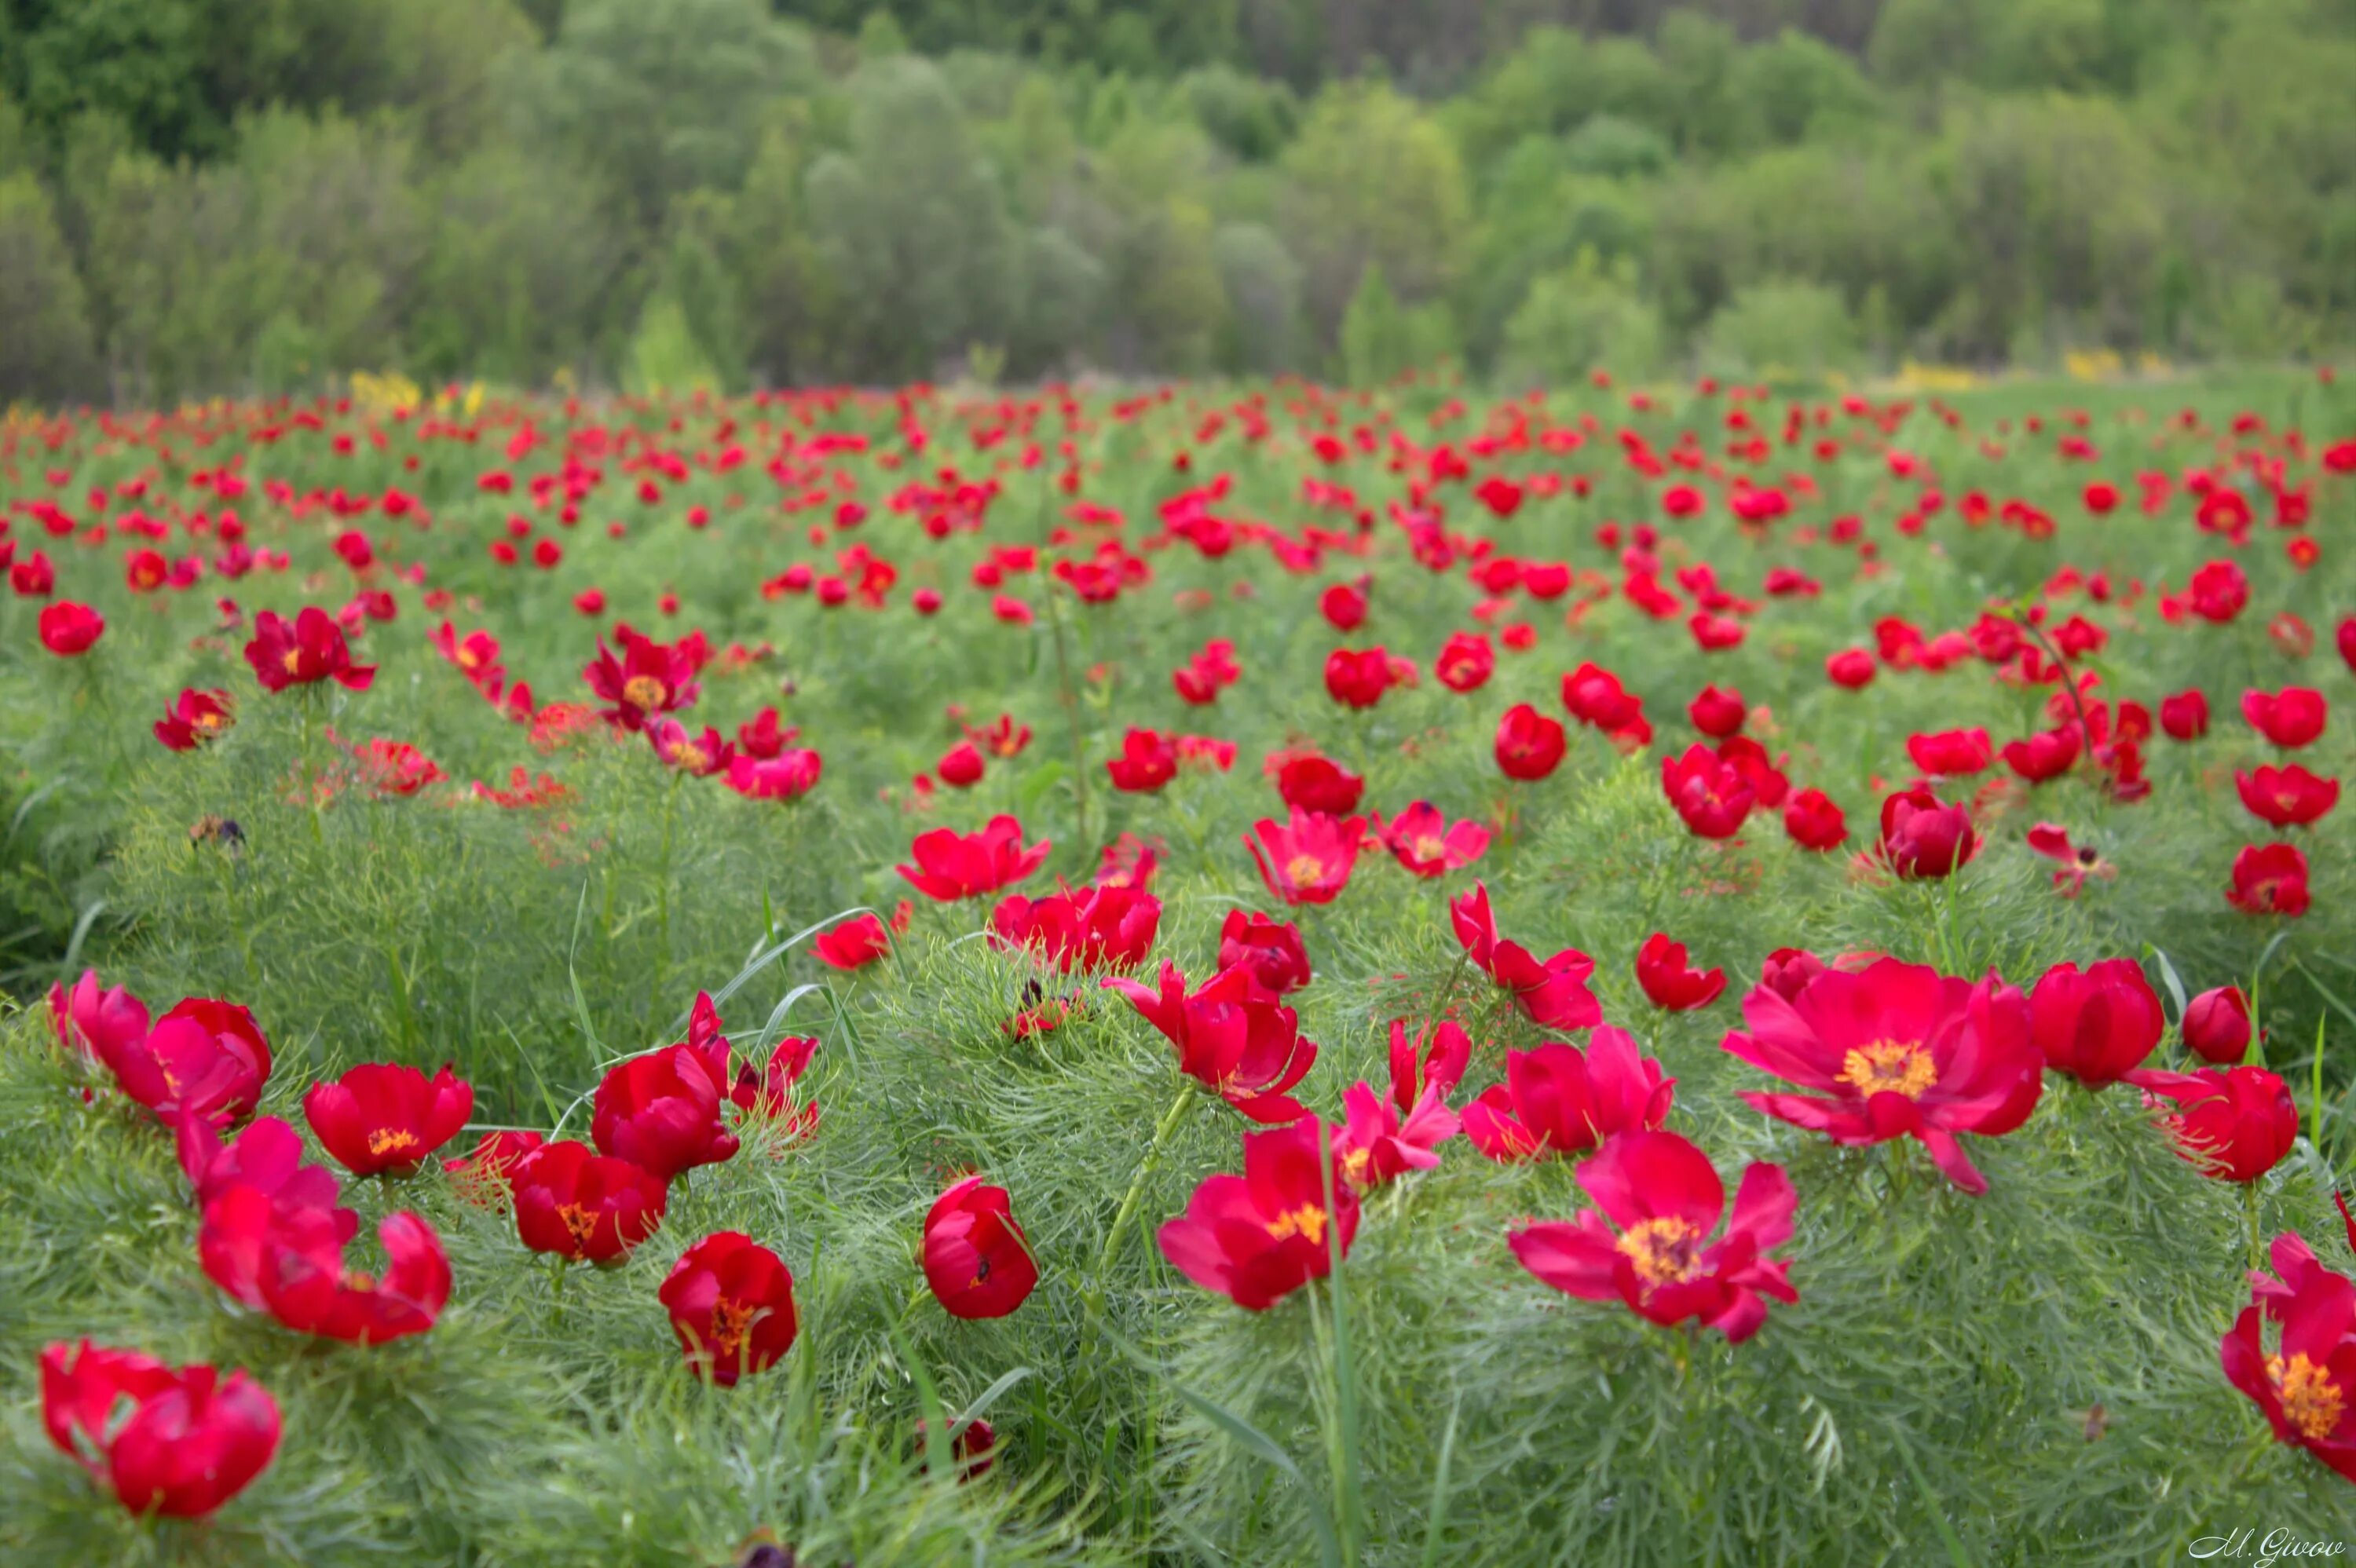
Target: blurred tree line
<point x="204" y="196"/>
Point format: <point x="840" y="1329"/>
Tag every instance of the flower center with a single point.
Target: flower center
<point x="644" y="691"/>
<point x="212" y="720"/>
<point x="730" y="1321"/>
<point x="1303" y="869"/>
<point x="1309" y="1221"/>
<point x="391" y="1140"/>
<point x="580" y="1221"/>
<point x="1430" y="848"/>
<point x="1889" y="1067"/>
<point x="292" y="661"/>
<point x="1664" y="1250"/>
<point x="690" y="757"/>
<point x="1355" y="1164"/>
<point x="2311" y="1401"/>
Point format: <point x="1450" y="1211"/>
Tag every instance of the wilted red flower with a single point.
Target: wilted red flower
<point x="951" y="865"/>
<point x="1553" y="993"/>
<point x="2217" y="1026"/>
<point x="1089" y="928"/>
<point x="1257" y="1237"/>
<point x="1814" y="820"/>
<point x="1307" y="861"/>
<point x="190" y="1440"/>
<point x="193" y="718"/>
<point x="2096" y="1025"/>
<point x="649" y="679"/>
<point x="1529" y="744"/>
<point x="2078" y="861"/>
<point x="585" y="1206"/>
<point x="1709" y="795"/>
<point x="1270" y="950"/>
<point x="385" y="1119"/>
<point x="2184" y="716"/>
<point x="2307" y="1387"/>
<point x="1465" y="662"/>
<point x="1556" y="1102"/>
<point x="1716" y="712"/>
<point x="312" y="648"/>
<point x="484" y="1175"/>
<point x="661" y="1111"/>
<point x="1896" y="1051"/>
<point x="2286" y="797"/>
<point x="1307" y="782"/>
<point x="395" y="768"/>
<point x="975" y="1258"/>
<point x="1233" y="1036"/>
<point x="1924" y="837"/>
<point x="858" y="941"/>
<point x="2269" y="879"/>
<point x="1147" y="762"/>
<point x="1425" y="843"/>
<point x="68" y="630"/>
<point x="1664" y="1199"/>
<point x="1670" y="981"/>
<point x="2047" y="754"/>
<point x="731" y="1302"/>
<point x="1950" y="752"/>
<point x="2234" y="1123"/>
<point x="2289" y="718"/>
<point x="1357" y="677"/>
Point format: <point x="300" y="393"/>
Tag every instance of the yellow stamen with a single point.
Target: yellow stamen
<point x="1664" y="1250"/>
<point x="644" y="691"/>
<point x="1303" y="869"/>
<point x="391" y="1140"/>
<point x="1309" y="1221"/>
<point x="2311" y="1401"/>
<point x="1889" y="1067"/>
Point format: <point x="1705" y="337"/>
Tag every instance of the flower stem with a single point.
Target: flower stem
<point x="1128" y="1211"/>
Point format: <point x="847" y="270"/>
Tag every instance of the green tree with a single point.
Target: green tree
<point x="1374" y="182"/>
<point x="45" y="353"/>
<point x="1579" y="320"/>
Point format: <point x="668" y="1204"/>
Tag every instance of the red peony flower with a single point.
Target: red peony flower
<point x="1376" y="1145"/>
<point x="1423" y="841"/>
<point x="1147" y="762"/>
<point x="2184" y="716"/>
<point x="977" y="1260"/>
<point x="2289" y="718"/>
<point x="1709" y="795"/>
<point x="384" y="1119"/>
<point x="1257" y="1237"/>
<point x="649" y="680"/>
<point x="661" y="1111"/>
<point x="1716" y="712"/>
<point x="1923" y="837"/>
<point x="1669" y="982"/>
<point x="2307" y="1388"/>
<point x="1851" y="667"/>
<point x="1357" y="677"/>
<point x="1529" y="744"/>
<point x="1950" y="752"/>
<point x="1092" y="928"/>
<point x="1556" y="1102"/>
<point x="485" y="1175"/>
<point x="2236" y="1122"/>
<point x="584" y="1206"/>
<point x="951" y="865"/>
<point x="1232" y="1037"/>
<point x="2217" y="1026"/>
<point x="1465" y="662"/>
<point x="1311" y="783"/>
<point x="312" y="648"/>
<point x="178" y="1442"/>
<point x="193" y="718"/>
<point x="1270" y="950"/>
<point x="731" y="1302"/>
<point x="2046" y="756"/>
<point x="68" y="630"/>
<point x="1553" y="993"/>
<point x="1307" y="861"/>
<point x="2096" y="1025"/>
<point x="767" y="1093"/>
<point x="1594" y="696"/>
<point x="2269" y="879"/>
<point x="1814" y="820"/>
<point x="860" y="941"/>
<point x="2286" y="797"/>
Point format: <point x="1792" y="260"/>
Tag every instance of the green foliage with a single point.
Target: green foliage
<point x="1375" y="183"/>
<point x="1782" y="329"/>
<point x="1585" y="318"/>
<point x="46" y="350"/>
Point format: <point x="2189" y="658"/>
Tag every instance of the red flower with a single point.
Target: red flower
<point x="1851" y="667"/>
<point x="2286" y="797"/>
<point x="1374" y="1146"/>
<point x="661" y="1110"/>
<point x="1950" y="752"/>
<point x="69" y="629"/>
<point x="1896" y="1051"/>
<point x="1814" y="821"/>
<point x="731" y="1302"/>
<point x="649" y="679"/>
<point x="2269" y="879"/>
<point x="1664" y="1199"/>
<point x="285" y="1257"/>
<point x="1788" y="971"/>
<point x="1922" y="837"/>
<point x="1345" y="605"/>
<point x="698" y="756"/>
<point x="1709" y="795"/>
<point x="1307" y="861"/>
<point x="2097" y="1026"/>
<point x="1465" y="662"/>
<point x="1436" y="1059"/>
<point x="1270" y="950"/>
<point x="858" y="941"/>
<point x="2217" y="1026"/>
<point x="583" y="1206"/>
<point x="267" y="1155"/>
<point x="1425" y="844"/>
<point x="789" y="775"/>
<point x="1358" y="679"/>
<point x="1555" y="1101"/>
<point x="189" y="1441"/>
<point x="193" y="718"/>
<point x="1669" y="982"/>
<point x="951" y="866"/>
<point x="96" y="1023"/>
<point x="2217" y="592"/>
<point x="395" y="768"/>
<point x="2184" y="716"/>
<point x="1257" y="1237"/>
<point x="1594" y="696"/>
<point x="2289" y="718"/>
<point x="485" y="1176"/>
<point x="1147" y="762"/>
<point x="762" y="739"/>
<point x="2078" y="861"/>
<point x="1233" y="1036"/>
<point x="2047" y="754"/>
<point x="1553" y="993"/>
<point x="960" y="767"/>
<point x="1529" y="744"/>
<point x="2308" y="1388"/>
<point x="1092" y="928"/>
<point x="311" y="649"/>
<point x="1716" y="712"/>
<point x="767" y="1093"/>
<point x="383" y="1119"/>
<point x="1311" y="783"/>
<point x="977" y="1260"/>
<point x="204" y="1056"/>
<point x="2234" y="1123"/>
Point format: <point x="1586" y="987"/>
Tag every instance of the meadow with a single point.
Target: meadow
<point x="1179" y="972"/>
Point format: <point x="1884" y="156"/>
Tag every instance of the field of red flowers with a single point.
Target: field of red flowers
<point x="1195" y="974"/>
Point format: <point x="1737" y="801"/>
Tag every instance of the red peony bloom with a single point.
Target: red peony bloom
<point x="68" y="630"/>
<point x="661" y="1111"/>
<point x="193" y="718"/>
<point x="485" y="1175"/>
<point x="1435" y="1059"/>
<point x="789" y="775"/>
<point x="1317" y="784"/>
<point x="2269" y="879"/>
<point x="731" y="1302"/>
<point x="2217" y="591"/>
<point x="649" y="679"/>
<point x="1669" y="982"/>
<point x="282" y="1256"/>
<point x="2307" y="1387"/>
<point x="763" y="739"/>
<point x="1594" y="696"/>
<point x="1147" y="762"/>
<point x="1896" y="1051"/>
<point x="2286" y="797"/>
<point x="1257" y="1237"/>
<point x="312" y="648"/>
<point x="1092" y="928"/>
<point x="2184" y="716"/>
<point x="1851" y="667"/>
<point x="2217" y="1026"/>
<point x="977" y="1260"/>
<point x="1465" y="662"/>
<point x="1270" y="950"/>
<point x="1553" y="993"/>
<point x="177" y="1442"/>
<point x="1376" y="1146"/>
<point x="698" y="756"/>
<point x="1788" y="971"/>
<point x="1232" y="1037"/>
<point x="2047" y="754"/>
<point x="383" y="1119"/>
<point x="1709" y="795"/>
<point x="951" y="866"/>
<point x="767" y="1093"/>
<point x="1555" y="1101"/>
<point x="1529" y="744"/>
<point x="2234" y="1123"/>
<point x="268" y="1156"/>
<point x="1814" y="821"/>
<point x="204" y="1056"/>
<point x="2289" y="718"/>
<point x="1950" y="752"/>
<point x="1716" y="712"/>
<point x="1357" y="677"/>
<point x="95" y="1023"/>
<point x="1307" y="861"/>
<point x="1664" y="1199"/>
<point x="581" y="1205"/>
<point x="960" y="767"/>
<point x="858" y="941"/>
<point x="1424" y="843"/>
<point x="2097" y="1026"/>
<point x="1923" y="837"/>
<point x="1345" y="605"/>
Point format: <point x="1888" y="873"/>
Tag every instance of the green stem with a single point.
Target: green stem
<point x="2249" y="1209"/>
<point x="662" y="885"/>
<point x="1127" y="1210"/>
<point x="1068" y="695"/>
